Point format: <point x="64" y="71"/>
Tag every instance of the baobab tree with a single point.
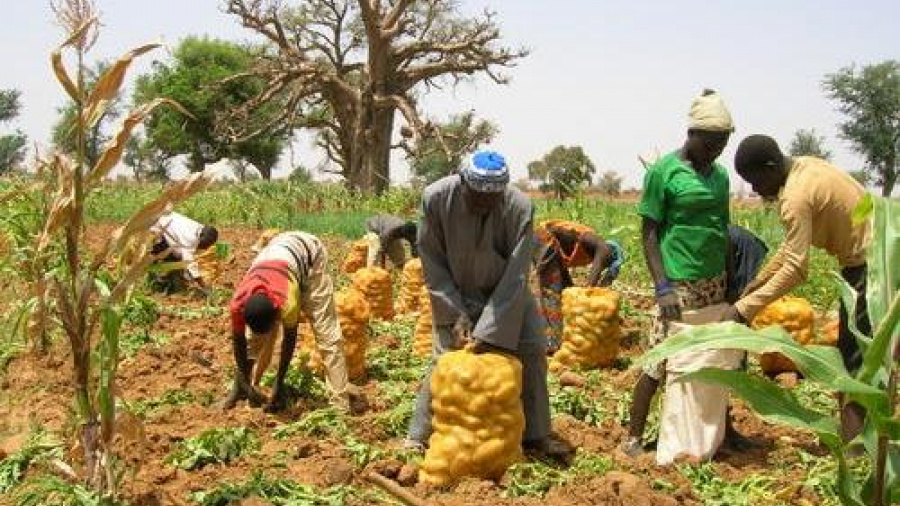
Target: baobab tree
<point x="345" y="67"/>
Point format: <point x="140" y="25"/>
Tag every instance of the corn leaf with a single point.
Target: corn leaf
<point x="59" y="68"/>
<point x="115" y="148"/>
<point x="109" y="84"/>
<point x="821" y="364"/>
<point x="769" y="400"/>
<point x="882" y="283"/>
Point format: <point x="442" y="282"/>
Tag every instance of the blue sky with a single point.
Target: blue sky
<point x="614" y="77"/>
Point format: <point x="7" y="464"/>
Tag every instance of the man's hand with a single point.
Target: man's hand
<point x="478" y="347"/>
<point x="462" y="330"/>
<point x="732" y="315"/>
<point x="669" y="305"/>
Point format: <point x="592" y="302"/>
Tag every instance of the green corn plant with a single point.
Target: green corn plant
<point x="86" y="298"/>
<point x="49" y="490"/>
<point x="39" y="446"/>
<point x="874" y="386"/>
<point x="213" y="446"/>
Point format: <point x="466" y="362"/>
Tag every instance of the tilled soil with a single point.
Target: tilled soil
<point x="197" y="359"/>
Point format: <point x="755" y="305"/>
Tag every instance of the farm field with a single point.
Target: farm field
<point x="176" y="365"/>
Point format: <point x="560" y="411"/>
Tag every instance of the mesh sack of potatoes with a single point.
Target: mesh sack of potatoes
<point x="356" y="258"/>
<point x="375" y="284"/>
<point x="796" y="316"/>
<point x="591" y="329"/>
<point x="353" y="314"/>
<point x="478" y="418"/>
<point x="422" y="343"/>
<point x="411" y="283"/>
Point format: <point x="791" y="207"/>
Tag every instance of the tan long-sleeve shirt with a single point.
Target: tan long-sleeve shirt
<point x="815" y="207"/>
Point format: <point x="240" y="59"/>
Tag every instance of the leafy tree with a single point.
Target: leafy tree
<point x="563" y="170"/>
<point x="12" y="146"/>
<point x="870" y="99"/>
<point x="809" y="143"/>
<point x="356" y="63"/>
<point x="147" y="162"/>
<point x="442" y="151"/>
<point x="610" y="183"/>
<point x="208" y="77"/>
<point x="97" y="135"/>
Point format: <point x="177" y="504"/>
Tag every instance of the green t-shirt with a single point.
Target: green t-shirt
<point x="692" y="211"/>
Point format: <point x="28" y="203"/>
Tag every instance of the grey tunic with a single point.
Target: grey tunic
<point x="479" y="265"/>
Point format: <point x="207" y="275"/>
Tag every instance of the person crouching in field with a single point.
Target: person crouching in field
<point x="685" y="212"/>
<point x="815" y="202"/>
<point x="561" y="245"/>
<point x="180" y="239"/>
<point x="385" y="236"/>
<point x="287" y="276"/>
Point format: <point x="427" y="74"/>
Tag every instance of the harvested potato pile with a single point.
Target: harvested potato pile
<point x="353" y="313"/>
<point x="422" y="342"/>
<point x="411" y="284"/>
<point x="375" y="284"/>
<point x="591" y="329"/>
<point x="478" y="418"/>
<point x="356" y="259"/>
<point x="795" y="315"/>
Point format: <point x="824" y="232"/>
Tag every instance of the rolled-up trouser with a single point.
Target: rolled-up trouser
<point x="535" y="395"/>
<point x="847" y="345"/>
<point x="317" y="302"/>
<point x="394" y="251"/>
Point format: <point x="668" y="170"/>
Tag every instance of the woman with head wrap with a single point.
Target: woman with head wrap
<point x="684" y="207"/>
<point x="562" y="245"/>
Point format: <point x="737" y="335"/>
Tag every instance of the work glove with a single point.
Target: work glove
<point x="669" y="303"/>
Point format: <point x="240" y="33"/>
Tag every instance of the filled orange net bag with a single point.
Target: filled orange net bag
<point x="591" y="329"/>
<point x="356" y="258"/>
<point x="796" y="316"/>
<point x="411" y="283"/>
<point x="353" y="314"/>
<point x="478" y="417"/>
<point x="375" y="284"/>
<point x="422" y="343"/>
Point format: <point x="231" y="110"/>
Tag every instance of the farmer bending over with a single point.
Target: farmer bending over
<point x="815" y="202"/>
<point x="562" y="245"/>
<point x="476" y="244"/>
<point x="385" y="236"/>
<point x="288" y="275"/>
<point x="182" y="238"/>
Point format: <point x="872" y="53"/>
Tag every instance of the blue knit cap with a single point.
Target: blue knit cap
<point x="486" y="172"/>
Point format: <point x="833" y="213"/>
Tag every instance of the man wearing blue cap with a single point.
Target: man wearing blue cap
<point x="476" y="241"/>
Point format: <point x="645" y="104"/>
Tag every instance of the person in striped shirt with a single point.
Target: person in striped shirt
<point x="287" y="277"/>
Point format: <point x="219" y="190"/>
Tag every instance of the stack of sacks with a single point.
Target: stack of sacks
<point x="478" y="418"/>
<point x="375" y="284"/>
<point x="411" y="285"/>
<point x="591" y="330"/>
<point x="422" y="340"/>
<point x="356" y="259"/>
<point x="353" y="313"/>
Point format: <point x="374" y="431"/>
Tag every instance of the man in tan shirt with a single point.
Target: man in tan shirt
<point x="815" y="202"/>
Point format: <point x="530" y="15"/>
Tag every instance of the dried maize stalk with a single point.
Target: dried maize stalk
<point x="375" y="284"/>
<point x="356" y="259"/>
<point x="478" y="418"/>
<point x="796" y="316"/>
<point x="422" y="340"/>
<point x="591" y="329"/>
<point x="353" y="314"/>
<point x="411" y="285"/>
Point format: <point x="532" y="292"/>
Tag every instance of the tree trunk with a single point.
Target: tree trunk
<point x="378" y="156"/>
<point x="890" y="178"/>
